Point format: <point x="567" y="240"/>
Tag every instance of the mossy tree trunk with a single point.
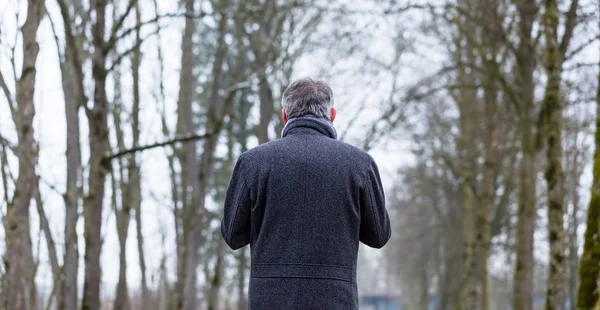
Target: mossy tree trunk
<point x="588" y="295"/>
<point x="550" y="130"/>
<point x="551" y="115"/>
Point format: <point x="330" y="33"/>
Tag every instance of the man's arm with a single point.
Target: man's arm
<point x="375" y="228"/>
<point x="235" y="226"/>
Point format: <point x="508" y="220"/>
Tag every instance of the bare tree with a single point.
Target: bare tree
<point x="134" y="182"/>
<point x="551" y="121"/>
<point x="186" y="298"/>
<point x="98" y="143"/>
<point x="18" y="283"/>
<point x="75" y="98"/>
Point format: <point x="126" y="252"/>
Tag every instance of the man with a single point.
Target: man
<point x="303" y="203"/>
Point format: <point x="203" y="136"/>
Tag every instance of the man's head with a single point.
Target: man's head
<point x="306" y="96"/>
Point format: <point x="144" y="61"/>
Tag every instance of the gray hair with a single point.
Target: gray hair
<point x="305" y="96"/>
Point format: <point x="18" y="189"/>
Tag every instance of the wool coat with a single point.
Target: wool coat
<point x="303" y="203"/>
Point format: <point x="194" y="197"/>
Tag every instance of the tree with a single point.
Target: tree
<point x="98" y="143"/>
<point x="588" y="296"/>
<point x="75" y="98"/>
<point x="18" y="283"/>
<point x="552" y="128"/>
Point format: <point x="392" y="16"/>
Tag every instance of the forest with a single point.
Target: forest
<point x="121" y="121"/>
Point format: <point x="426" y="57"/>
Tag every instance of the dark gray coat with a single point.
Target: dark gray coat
<point x="303" y="203"/>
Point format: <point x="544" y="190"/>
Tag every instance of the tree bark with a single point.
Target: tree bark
<point x="45" y="227"/>
<point x="261" y="41"/>
<point x="574" y="168"/>
<point x="186" y="298"/>
<point x="219" y="269"/>
<point x="67" y="297"/>
<point x="214" y="301"/>
<point x="121" y="301"/>
<point x="241" y="279"/>
<point x="217" y="110"/>
<point x="267" y="106"/>
<point x="134" y="182"/>
<point x="18" y="280"/>
<point x="484" y="212"/>
<point x="588" y="294"/>
<point x="122" y="213"/>
<point x="98" y="140"/>
<point x="526" y="214"/>
<point x="552" y="118"/>
<point x="466" y="101"/>
<point x="74" y="96"/>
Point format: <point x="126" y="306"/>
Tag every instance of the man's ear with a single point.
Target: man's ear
<point x="332" y="114"/>
<point x="284" y="116"/>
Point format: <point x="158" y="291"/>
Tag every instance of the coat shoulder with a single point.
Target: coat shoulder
<point x="336" y="149"/>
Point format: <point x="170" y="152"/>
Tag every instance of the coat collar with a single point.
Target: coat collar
<point x="307" y="124"/>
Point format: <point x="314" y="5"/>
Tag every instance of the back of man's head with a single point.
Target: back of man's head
<point x="306" y="96"/>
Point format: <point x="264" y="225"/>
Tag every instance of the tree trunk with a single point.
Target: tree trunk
<point x="72" y="79"/>
<point x="121" y="301"/>
<point x="45" y="226"/>
<point x="573" y="259"/>
<point x="219" y="269"/>
<point x="423" y="298"/>
<point x="588" y="294"/>
<point x="466" y="100"/>
<point x="67" y="296"/>
<point x="164" y="301"/>
<point x="18" y="280"/>
<point x="134" y="182"/>
<point x="552" y="118"/>
<point x="122" y="213"/>
<point x="215" y="115"/>
<point x="526" y="215"/>
<point x="218" y="277"/>
<point x="523" y="282"/>
<point x="98" y="140"/>
<point x="267" y="108"/>
<point x="241" y="279"/>
<point x="484" y="212"/>
<point x="574" y="163"/>
<point x="186" y="274"/>
<point x="242" y="255"/>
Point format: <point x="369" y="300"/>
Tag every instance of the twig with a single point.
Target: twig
<point x="581" y="47"/>
<point x="119" y="23"/>
<point x="115" y="38"/>
<point x="7" y="94"/>
<point x="3" y="166"/>
<point x="130" y="50"/>
<point x="5" y="142"/>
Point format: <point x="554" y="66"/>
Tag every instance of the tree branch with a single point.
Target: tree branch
<point x="106" y="160"/>
<point x="130" y="50"/>
<point x="570" y="24"/>
<point x="579" y="48"/>
<point x="5" y="142"/>
<point x="119" y="23"/>
<point x="115" y="38"/>
<point x="3" y="166"/>
<point x="7" y="94"/>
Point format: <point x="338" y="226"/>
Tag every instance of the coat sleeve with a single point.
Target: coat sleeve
<point x="375" y="230"/>
<point x="235" y="225"/>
